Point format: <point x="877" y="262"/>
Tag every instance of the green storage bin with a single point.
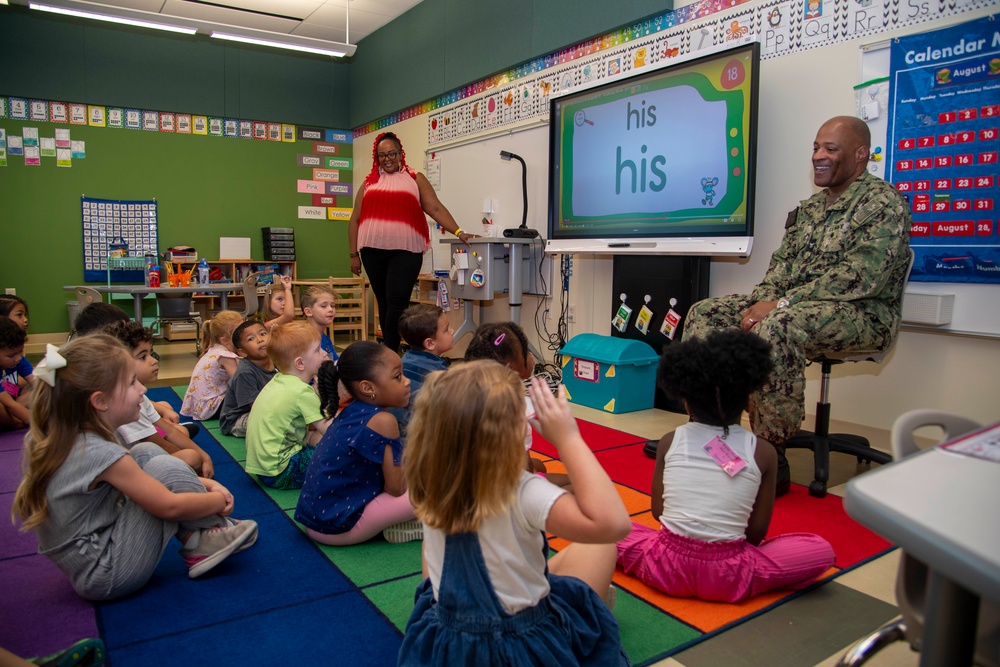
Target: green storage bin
<point x="611" y="374"/>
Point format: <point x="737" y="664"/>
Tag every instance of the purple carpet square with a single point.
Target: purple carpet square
<point x="12" y="440"/>
<point x="10" y="470"/>
<point x="13" y="543"/>
<point x="39" y="611"/>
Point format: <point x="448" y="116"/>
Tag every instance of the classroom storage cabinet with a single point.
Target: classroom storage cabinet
<point x="233" y="271"/>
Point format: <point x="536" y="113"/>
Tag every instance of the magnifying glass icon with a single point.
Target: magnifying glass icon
<point x="580" y="118"/>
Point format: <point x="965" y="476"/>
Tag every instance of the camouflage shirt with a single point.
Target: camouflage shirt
<point x="854" y="250"/>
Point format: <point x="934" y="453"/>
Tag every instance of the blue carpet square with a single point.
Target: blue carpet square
<point x="282" y="569"/>
<point x="337" y="630"/>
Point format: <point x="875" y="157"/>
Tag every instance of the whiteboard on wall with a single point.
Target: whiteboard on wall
<point x="976" y="306"/>
<point x="472" y="171"/>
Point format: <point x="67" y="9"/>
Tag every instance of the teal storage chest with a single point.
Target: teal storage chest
<point x="611" y="374"/>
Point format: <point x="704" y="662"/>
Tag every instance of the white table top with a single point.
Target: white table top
<point x="941" y="508"/>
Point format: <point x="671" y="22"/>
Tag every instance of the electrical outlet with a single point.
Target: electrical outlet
<point x="11" y="290"/>
<point x="571" y="313"/>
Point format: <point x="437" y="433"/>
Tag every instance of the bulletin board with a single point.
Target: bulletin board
<point x="132" y="223"/>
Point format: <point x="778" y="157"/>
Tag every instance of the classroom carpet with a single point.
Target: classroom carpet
<point x="289" y="599"/>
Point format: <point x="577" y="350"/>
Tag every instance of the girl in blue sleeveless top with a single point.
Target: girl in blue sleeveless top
<point x="354" y="487"/>
<point x="490" y="596"/>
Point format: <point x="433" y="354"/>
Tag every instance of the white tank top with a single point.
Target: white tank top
<point x="700" y="499"/>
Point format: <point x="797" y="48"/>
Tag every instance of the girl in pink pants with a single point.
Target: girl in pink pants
<point x="713" y="485"/>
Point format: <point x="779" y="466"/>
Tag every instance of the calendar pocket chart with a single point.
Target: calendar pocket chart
<point x="944" y="142"/>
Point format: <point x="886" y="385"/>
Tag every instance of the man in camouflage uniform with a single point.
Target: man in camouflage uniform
<point x="835" y="283"/>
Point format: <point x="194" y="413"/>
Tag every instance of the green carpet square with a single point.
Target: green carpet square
<point x="373" y="561"/>
<point x="395" y="599"/>
<point x="237" y="447"/>
<point x="645" y="631"/>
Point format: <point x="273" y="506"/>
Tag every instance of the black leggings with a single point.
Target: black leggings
<point x="392" y="274"/>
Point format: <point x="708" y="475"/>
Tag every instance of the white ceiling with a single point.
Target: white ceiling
<point x="317" y="19"/>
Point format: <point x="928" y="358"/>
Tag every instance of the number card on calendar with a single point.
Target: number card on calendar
<point x="943" y="145"/>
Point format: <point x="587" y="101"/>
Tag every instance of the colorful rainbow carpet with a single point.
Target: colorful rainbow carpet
<point x="290" y="600"/>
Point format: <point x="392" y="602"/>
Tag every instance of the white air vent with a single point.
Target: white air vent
<point x="927" y="308"/>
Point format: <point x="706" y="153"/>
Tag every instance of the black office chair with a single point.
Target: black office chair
<point x="821" y="441"/>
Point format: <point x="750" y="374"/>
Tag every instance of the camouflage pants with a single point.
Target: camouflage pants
<point x="796" y="333"/>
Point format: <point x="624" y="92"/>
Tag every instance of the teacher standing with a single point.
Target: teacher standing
<point x="388" y="232"/>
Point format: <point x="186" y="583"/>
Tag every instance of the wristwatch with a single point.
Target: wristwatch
<point x="355" y="254"/>
<point x="783" y="303"/>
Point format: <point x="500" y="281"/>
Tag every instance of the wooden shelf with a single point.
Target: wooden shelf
<point x="234" y="270"/>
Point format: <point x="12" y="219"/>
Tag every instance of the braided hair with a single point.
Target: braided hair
<point x="373" y="175"/>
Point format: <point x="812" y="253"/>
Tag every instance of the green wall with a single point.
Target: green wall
<point x="61" y="58"/>
<point x="209" y="187"/>
<point x="441" y="45"/>
<point x="205" y="187"/>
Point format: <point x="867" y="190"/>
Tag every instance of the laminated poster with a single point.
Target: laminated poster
<point x="78" y="149"/>
<point x="3" y="157"/>
<point x="150" y="121"/>
<point x="39" y="111"/>
<point x="215" y="127"/>
<point x="274" y="131"/>
<point x="246" y="129"/>
<point x="259" y="130"/>
<point x="64" y="157"/>
<point x="62" y="137"/>
<point x="31" y="156"/>
<point x="133" y="119"/>
<point x="3" y="138"/>
<point x="166" y="122"/>
<point x="184" y="123"/>
<point x="231" y="127"/>
<point x="287" y="132"/>
<point x="78" y="114"/>
<point x="18" y="108"/>
<point x="15" y="145"/>
<point x="3" y="107"/>
<point x="29" y="136"/>
<point x="48" y="146"/>
<point x="199" y="124"/>
<point x="58" y="112"/>
<point x="116" y="117"/>
<point x="96" y="116"/>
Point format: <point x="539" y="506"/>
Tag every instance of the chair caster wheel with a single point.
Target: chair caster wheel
<point x="817" y="489"/>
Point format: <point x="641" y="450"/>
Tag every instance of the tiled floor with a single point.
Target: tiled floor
<point x="814" y="629"/>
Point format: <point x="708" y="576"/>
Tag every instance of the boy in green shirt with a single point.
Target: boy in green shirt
<point x="286" y="421"/>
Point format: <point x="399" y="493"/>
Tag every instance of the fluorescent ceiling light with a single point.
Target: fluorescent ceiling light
<point x="111" y="18"/>
<point x="280" y="45"/>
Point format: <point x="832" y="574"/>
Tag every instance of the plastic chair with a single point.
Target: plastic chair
<point x="86" y="296"/>
<point x="821" y="441"/>
<point x="250" y="297"/>
<point x="911" y="579"/>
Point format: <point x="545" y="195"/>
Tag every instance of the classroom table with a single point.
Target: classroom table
<point x="939" y="507"/>
<point x="140" y="291"/>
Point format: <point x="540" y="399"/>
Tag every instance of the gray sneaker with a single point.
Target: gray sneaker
<point x="406" y="531"/>
<point x="216" y="544"/>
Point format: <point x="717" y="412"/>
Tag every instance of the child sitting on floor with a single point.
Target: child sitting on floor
<point x="490" y="596"/>
<point x="151" y="426"/>
<point x="506" y="343"/>
<point x="254" y="370"/>
<point x="16" y="308"/>
<point x="714" y="483"/>
<point x="102" y="514"/>
<point x="210" y="379"/>
<point x="429" y="334"/>
<point x="286" y="421"/>
<point x="354" y="487"/>
<point x="15" y="392"/>
<point x="278" y="307"/>
<point x="319" y="306"/>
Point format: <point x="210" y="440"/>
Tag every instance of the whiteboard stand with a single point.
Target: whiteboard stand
<point x="489" y="252"/>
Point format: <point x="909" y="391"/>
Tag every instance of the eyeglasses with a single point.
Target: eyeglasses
<point x="392" y="155"/>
